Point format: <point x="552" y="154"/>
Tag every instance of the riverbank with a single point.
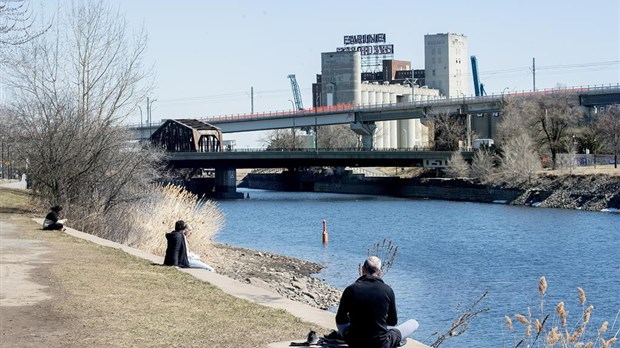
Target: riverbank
<point x="290" y="277"/>
<point x="595" y="190"/>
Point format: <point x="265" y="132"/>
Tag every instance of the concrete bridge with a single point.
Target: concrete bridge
<point x="310" y="158"/>
<point x="363" y="117"/>
<point x="206" y="141"/>
<point x="225" y="164"/>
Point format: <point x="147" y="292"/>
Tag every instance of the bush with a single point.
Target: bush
<point x="145" y="225"/>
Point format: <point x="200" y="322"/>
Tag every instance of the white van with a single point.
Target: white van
<point x="478" y="143"/>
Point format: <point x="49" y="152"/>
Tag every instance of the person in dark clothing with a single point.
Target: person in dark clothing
<point x="176" y="250"/>
<point x="367" y="315"/>
<point x="52" y="220"/>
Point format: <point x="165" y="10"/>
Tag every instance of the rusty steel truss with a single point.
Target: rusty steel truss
<point x="188" y="135"/>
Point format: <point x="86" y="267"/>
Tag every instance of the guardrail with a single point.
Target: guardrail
<point x="350" y="108"/>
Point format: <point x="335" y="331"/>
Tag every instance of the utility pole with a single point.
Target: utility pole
<point x="251" y="100"/>
<point x="534" y="74"/>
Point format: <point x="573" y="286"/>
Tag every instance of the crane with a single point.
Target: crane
<point x="296" y="94"/>
<point x="478" y="86"/>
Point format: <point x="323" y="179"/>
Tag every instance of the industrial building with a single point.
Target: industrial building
<point x="354" y="75"/>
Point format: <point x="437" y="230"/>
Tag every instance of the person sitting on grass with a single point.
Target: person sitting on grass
<point x="177" y="251"/>
<point x="52" y="220"/>
<point x="366" y="309"/>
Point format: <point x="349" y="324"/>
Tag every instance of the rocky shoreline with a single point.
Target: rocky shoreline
<point x="581" y="192"/>
<point x="290" y="277"/>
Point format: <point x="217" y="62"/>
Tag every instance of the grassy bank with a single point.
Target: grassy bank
<point x="104" y="297"/>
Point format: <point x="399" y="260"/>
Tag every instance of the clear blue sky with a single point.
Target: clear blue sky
<point x="207" y="54"/>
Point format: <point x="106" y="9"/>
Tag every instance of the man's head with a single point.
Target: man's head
<point x="180" y="226"/>
<point x="372" y="266"/>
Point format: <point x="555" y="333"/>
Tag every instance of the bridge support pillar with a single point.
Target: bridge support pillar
<point x="367" y="131"/>
<point x="226" y="183"/>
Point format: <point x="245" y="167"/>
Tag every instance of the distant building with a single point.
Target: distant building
<point x="346" y="79"/>
<point x="342" y="82"/>
<point x="446" y="62"/>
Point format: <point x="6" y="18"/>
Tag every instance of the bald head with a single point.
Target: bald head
<point x="372" y="266"/>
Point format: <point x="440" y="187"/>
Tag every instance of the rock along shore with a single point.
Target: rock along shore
<point x="290" y="277"/>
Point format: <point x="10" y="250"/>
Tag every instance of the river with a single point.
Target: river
<point x="449" y="253"/>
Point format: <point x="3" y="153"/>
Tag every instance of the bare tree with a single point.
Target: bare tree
<point x="520" y="162"/>
<point x="72" y="91"/>
<point x="283" y="139"/>
<point x="483" y="165"/>
<point x="447" y="131"/>
<point x="608" y="127"/>
<point x="458" y="167"/>
<point x="328" y="137"/>
<point x="338" y="136"/>
<point x="552" y="121"/>
<point x="16" y="26"/>
<point x="513" y="122"/>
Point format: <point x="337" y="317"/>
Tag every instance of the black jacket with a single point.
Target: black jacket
<point x="176" y="251"/>
<point x="52" y="216"/>
<point x="369" y="305"/>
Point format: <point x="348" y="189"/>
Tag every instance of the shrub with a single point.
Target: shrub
<point x="145" y="226"/>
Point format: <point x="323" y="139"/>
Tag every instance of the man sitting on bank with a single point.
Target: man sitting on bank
<point x="366" y="309"/>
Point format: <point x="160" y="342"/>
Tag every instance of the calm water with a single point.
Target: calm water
<point x="449" y="253"/>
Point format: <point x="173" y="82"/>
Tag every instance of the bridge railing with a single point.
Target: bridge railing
<point x="340" y="108"/>
<point x="350" y="108"/>
<point x="343" y="149"/>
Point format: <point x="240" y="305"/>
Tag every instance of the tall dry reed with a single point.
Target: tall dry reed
<point x="555" y="329"/>
<point x="152" y="218"/>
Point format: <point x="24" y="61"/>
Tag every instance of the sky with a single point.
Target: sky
<point x="207" y="55"/>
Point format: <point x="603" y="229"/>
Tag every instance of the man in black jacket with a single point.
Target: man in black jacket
<point x="366" y="309"/>
<point x="176" y="251"/>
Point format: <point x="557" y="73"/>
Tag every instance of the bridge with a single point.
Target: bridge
<point x="310" y="158"/>
<point x="196" y="144"/>
<point x="363" y="117"/>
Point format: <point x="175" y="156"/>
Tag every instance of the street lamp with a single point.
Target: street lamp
<point x="293" y="130"/>
<point x="149" y="111"/>
<point x="141" y="135"/>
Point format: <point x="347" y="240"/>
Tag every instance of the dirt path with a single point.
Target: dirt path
<point x="27" y="291"/>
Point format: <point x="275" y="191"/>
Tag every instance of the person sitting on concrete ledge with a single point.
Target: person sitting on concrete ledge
<point x="52" y="220"/>
<point x="194" y="259"/>
<point x="366" y="309"/>
<point x="177" y="251"/>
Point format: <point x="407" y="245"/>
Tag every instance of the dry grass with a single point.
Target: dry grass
<point x="113" y="299"/>
<point x="555" y="329"/>
<point x="15" y="201"/>
<point x="145" y="225"/>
